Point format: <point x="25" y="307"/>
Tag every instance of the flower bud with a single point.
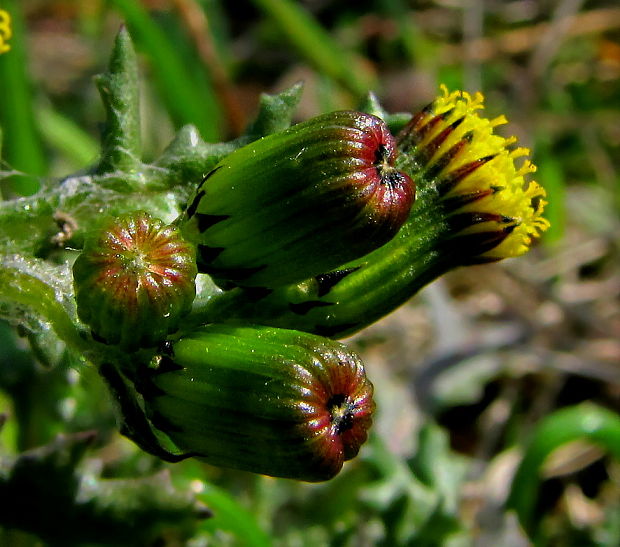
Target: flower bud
<point x="299" y="202"/>
<point x="134" y="281"/>
<point x="271" y="401"/>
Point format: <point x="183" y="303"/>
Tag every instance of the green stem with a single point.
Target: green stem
<point x="362" y="292"/>
<point x="20" y="289"/>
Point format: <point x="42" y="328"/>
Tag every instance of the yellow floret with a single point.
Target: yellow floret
<point x="513" y="196"/>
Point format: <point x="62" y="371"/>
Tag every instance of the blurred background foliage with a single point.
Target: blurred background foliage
<point x="488" y="369"/>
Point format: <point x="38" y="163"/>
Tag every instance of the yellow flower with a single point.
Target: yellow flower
<point x="474" y="171"/>
<point x="5" y="31"/>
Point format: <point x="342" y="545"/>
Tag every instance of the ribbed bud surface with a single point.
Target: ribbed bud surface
<point x="301" y="202"/>
<point x="271" y="401"/>
<point x="134" y="281"/>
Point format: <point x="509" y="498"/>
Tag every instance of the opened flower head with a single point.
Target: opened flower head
<point x="487" y="197"/>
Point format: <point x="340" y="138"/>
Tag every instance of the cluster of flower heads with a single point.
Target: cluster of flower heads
<point x="269" y="224"/>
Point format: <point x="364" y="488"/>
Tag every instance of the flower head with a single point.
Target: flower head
<point x="474" y="203"/>
<point x="299" y="202"/>
<point x="271" y="401"/>
<point x="134" y="281"/>
<point x="488" y="198"/>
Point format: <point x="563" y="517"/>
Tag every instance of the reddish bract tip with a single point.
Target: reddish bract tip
<point x="338" y="411"/>
<point x="388" y="192"/>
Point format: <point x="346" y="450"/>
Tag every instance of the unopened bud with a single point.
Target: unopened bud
<point x="271" y="401"/>
<point x="300" y="202"/>
<point x="134" y="281"/>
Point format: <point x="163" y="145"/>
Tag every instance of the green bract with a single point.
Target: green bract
<point x="134" y="281"/>
<point x="299" y="202"/>
<point x="272" y="401"/>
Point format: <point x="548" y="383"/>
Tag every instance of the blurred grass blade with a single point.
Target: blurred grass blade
<point x="60" y="133"/>
<point x="419" y="50"/>
<point x="195" y="21"/>
<point x="189" y="99"/>
<point x="229" y="515"/>
<point x="585" y="421"/>
<point x="551" y="175"/>
<point x="317" y="46"/>
<point x="22" y="145"/>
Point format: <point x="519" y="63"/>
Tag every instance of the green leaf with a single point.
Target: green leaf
<point x="275" y="112"/>
<point x="66" y="506"/>
<point x="120" y="95"/>
<point x="413" y="513"/>
<point x="585" y="421"/>
<point x="31" y="290"/>
<point x="371" y="105"/>
<point x="231" y="516"/>
<point x="436" y="466"/>
<point x="188" y="158"/>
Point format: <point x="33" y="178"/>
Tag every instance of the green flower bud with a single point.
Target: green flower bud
<point x="134" y="281"/>
<point x="271" y="401"/>
<point x="300" y="202"/>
